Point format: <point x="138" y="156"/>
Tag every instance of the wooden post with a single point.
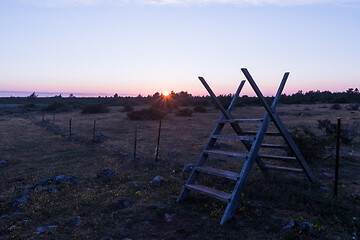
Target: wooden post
<point x="337" y="158"/>
<point x="54" y="119"/>
<point x="70" y="128"/>
<point x="94" y="129"/>
<point x="43" y="117"/>
<point x="158" y="143"/>
<point x="135" y="141"/>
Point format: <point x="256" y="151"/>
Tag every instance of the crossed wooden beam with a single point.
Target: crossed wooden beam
<point x="253" y="147"/>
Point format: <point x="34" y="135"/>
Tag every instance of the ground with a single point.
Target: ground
<point x="32" y="149"/>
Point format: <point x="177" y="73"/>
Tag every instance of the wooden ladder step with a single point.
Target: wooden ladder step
<point x="229" y="154"/>
<point x="255" y="120"/>
<point x="223" y="196"/>
<point x="265" y="145"/>
<point x="267" y="133"/>
<point x="218" y="172"/>
<point x="276" y="157"/>
<point x="234" y="137"/>
<point x="273" y="167"/>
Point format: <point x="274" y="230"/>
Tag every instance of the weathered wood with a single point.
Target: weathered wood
<point x="241" y="156"/>
<point x="223" y="196"/>
<point x="209" y="145"/>
<point x="280" y="126"/>
<point x="266" y="156"/>
<point x="218" y="172"/>
<point x="267" y="133"/>
<point x="235" y="137"/>
<point x="273" y="167"/>
<point x="253" y="155"/>
<point x="255" y="120"/>
<point x="265" y="145"/>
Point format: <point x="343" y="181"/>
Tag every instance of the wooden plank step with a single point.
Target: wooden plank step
<point x="267" y="133"/>
<point x="265" y="145"/>
<point x="276" y="157"/>
<point x="229" y="154"/>
<point x="234" y="137"/>
<point x="273" y="167"/>
<point x="255" y="120"/>
<point x="218" y="172"/>
<point x="223" y="196"/>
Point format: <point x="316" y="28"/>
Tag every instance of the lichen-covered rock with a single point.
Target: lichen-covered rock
<point x="123" y="203"/>
<point x="45" y="229"/>
<point x="158" y="180"/>
<point x="99" y="138"/>
<point x="106" y="174"/>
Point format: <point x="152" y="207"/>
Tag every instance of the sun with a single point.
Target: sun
<point x="166" y="93"/>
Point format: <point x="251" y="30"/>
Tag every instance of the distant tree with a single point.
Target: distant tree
<point x="156" y="95"/>
<point x="71" y="95"/>
<point x="33" y="95"/>
<point x="116" y="95"/>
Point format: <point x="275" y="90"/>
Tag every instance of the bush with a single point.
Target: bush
<point x="57" y="107"/>
<point x="185" y="112"/>
<point x="96" y="108"/>
<point x="347" y="135"/>
<point x="311" y="146"/>
<point x="146" y="114"/>
<point x="128" y="108"/>
<point x="200" y="109"/>
<point x="352" y="107"/>
<point x="335" y="106"/>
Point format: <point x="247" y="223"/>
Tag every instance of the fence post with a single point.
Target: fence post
<point x="43" y="117"/>
<point x="135" y="142"/>
<point x="94" y="129"/>
<point x="337" y="158"/>
<point x="70" y="128"/>
<point x="158" y="143"/>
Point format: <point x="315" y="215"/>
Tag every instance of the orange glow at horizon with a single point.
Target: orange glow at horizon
<point x="166" y="94"/>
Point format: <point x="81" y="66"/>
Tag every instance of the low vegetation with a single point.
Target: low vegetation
<point x="117" y="196"/>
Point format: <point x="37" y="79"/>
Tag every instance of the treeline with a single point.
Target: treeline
<point x="184" y="98"/>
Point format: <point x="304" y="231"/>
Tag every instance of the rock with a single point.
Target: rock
<point x="325" y="189"/>
<point x="157" y="206"/>
<point x="311" y="230"/>
<point x="45" y="229"/>
<point x="50" y="183"/>
<point x="57" y="180"/>
<point x="106" y="174"/>
<point x="188" y="167"/>
<point x="23" y="198"/>
<point x="99" y="138"/>
<point x="123" y="203"/>
<point x="304" y="114"/>
<point x="289" y="225"/>
<point x="76" y="221"/>
<point x="2" y="162"/>
<point x="168" y="217"/>
<point x="158" y="180"/>
<point x="306" y="109"/>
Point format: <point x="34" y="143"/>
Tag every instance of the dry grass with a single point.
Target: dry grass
<point x="34" y="152"/>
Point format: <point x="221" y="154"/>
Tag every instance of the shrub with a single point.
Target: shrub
<point x="352" y="107"/>
<point x="57" y="107"/>
<point x="128" y="108"/>
<point x="335" y="106"/>
<point x="146" y="114"/>
<point x="96" y="108"/>
<point x="185" y="112"/>
<point x="311" y="146"/>
<point x="346" y="135"/>
<point x="200" y="109"/>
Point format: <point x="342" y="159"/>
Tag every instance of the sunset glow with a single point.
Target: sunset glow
<point x="166" y="94"/>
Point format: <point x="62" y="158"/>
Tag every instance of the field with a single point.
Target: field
<point x="129" y="205"/>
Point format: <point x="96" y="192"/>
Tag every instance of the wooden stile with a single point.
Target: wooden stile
<point x="253" y="141"/>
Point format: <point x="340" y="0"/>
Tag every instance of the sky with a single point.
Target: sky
<point x="147" y="46"/>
